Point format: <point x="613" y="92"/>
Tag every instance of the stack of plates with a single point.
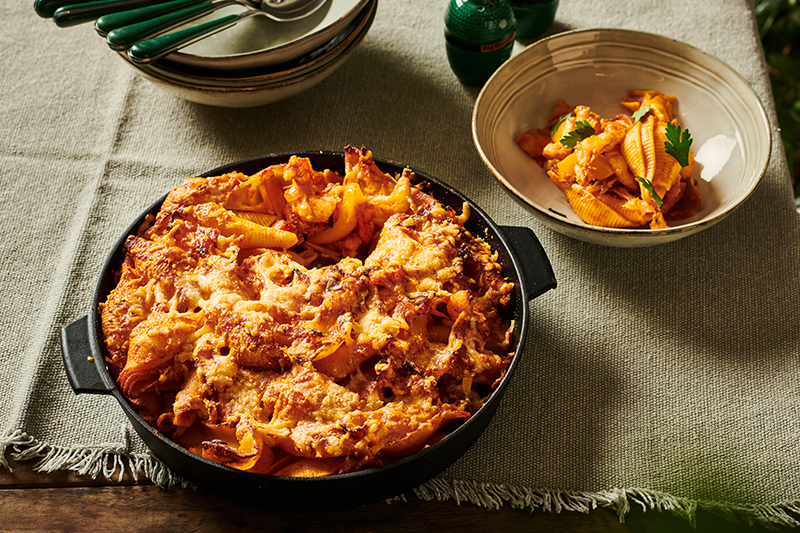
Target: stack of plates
<point x="260" y="61"/>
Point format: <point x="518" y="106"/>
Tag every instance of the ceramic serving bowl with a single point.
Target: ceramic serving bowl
<point x="597" y="68"/>
<point x="259" y="42"/>
<point x="524" y="263"/>
<point x="313" y="61"/>
<point x="265" y="86"/>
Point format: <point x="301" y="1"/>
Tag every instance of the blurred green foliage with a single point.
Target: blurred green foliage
<point x="779" y="26"/>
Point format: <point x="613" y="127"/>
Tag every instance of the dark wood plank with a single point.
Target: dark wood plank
<point x="148" y="508"/>
<point x="33" y="502"/>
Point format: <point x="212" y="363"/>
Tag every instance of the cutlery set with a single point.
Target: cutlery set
<point x="147" y="30"/>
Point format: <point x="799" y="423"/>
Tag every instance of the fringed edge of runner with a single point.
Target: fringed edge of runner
<point x="111" y="461"/>
<point x="108" y="460"/>
<point x="494" y="496"/>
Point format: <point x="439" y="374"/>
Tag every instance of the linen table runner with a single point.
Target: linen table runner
<point x="663" y="376"/>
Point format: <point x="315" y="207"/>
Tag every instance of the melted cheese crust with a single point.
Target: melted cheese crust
<point x="303" y="323"/>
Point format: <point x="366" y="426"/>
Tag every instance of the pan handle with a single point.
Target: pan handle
<point x="79" y="359"/>
<point x="536" y="269"/>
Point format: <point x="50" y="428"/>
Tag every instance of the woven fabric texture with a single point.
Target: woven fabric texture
<point x="662" y="375"/>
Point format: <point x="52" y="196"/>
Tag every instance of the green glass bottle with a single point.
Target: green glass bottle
<point x="479" y="36"/>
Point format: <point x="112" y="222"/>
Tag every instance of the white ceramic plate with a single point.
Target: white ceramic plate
<point x="598" y="67"/>
<point x="258" y="42"/>
<point x="267" y="76"/>
<point x="256" y="95"/>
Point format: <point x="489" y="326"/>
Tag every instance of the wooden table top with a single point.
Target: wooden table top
<point x="65" y="501"/>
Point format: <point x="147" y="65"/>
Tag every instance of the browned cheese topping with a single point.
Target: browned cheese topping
<point x="299" y="322"/>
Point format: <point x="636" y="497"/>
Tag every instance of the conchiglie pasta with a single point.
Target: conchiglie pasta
<point x="255" y="235"/>
<point x="617" y="172"/>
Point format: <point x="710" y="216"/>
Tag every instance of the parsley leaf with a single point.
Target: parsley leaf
<point x="557" y="124"/>
<point x="678" y="143"/>
<point x="639" y="114"/>
<point x="556" y="212"/>
<point x="582" y="130"/>
<point x="649" y="186"/>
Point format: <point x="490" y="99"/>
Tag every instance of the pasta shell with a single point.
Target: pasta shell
<point x="639" y="148"/>
<point x="662" y="105"/>
<point x="645" y="152"/>
<point x="666" y="170"/>
<point x="242" y="457"/>
<point x="255" y="235"/>
<point x="312" y="467"/>
<point x="607" y="209"/>
<point x="621" y="170"/>
<point x="346" y="222"/>
<point x="264" y="219"/>
<point x="261" y="192"/>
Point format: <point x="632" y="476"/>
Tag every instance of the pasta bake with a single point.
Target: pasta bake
<point x="301" y="322"/>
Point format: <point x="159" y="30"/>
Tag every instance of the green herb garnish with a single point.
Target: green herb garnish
<point x="556" y="212"/>
<point x="557" y="124"/>
<point x="649" y="186"/>
<point x="639" y="114"/>
<point x="678" y="143"/>
<point x="582" y="130"/>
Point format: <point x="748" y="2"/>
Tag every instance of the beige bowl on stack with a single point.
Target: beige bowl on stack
<point x="260" y="61"/>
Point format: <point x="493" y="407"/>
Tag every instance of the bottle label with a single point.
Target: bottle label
<point x="471" y="47"/>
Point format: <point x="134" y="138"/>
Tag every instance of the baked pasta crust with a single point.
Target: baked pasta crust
<point x="298" y="322"/>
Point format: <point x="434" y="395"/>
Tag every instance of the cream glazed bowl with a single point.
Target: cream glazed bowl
<point x="265" y="88"/>
<point x="597" y="67"/>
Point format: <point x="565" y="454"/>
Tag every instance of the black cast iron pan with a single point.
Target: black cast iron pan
<point x="524" y="263"/>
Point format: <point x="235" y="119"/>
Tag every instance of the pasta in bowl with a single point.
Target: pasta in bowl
<point x="355" y="359"/>
<point x="627" y="171"/>
<point x="596" y="68"/>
